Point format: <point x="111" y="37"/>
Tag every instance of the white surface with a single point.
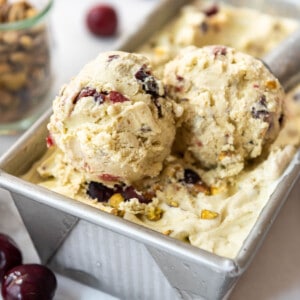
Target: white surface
<point x="275" y="272"/>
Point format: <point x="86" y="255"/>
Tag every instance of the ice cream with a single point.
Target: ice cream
<point x="113" y="121"/>
<point x="182" y="198"/>
<point x="202" y="23"/>
<point x="232" y="106"/>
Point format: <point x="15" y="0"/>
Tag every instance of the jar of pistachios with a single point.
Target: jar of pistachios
<point x="25" y="62"/>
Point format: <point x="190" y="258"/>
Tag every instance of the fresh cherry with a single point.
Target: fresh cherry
<point x="102" y="20"/>
<point x="29" y="282"/>
<point x="10" y="255"/>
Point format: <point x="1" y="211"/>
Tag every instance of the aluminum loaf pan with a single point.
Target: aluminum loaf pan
<point x="115" y="255"/>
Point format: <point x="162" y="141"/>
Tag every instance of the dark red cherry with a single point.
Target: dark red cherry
<point x="10" y="255"/>
<point x="99" y="97"/>
<point x="116" y="97"/>
<point x="102" y="20"/>
<point x="211" y="11"/>
<point x="129" y="192"/>
<point x="191" y="176"/>
<point x="99" y="191"/>
<point x="29" y="282"/>
<point x="149" y="83"/>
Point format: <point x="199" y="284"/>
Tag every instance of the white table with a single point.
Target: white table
<point x="275" y="272"/>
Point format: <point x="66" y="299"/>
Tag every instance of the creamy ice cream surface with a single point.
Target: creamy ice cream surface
<point x="113" y="121"/>
<point x="114" y="125"/>
<point x="202" y="23"/>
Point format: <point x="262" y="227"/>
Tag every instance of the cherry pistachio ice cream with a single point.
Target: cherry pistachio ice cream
<point x="233" y="106"/>
<point x="113" y="121"/>
<point x="192" y="145"/>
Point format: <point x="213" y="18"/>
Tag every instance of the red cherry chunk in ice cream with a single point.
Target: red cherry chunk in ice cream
<point x="102" y="193"/>
<point x="191" y="177"/>
<point x="148" y="81"/>
<point x="49" y="141"/>
<point x="99" y="97"/>
<point x="29" y="282"/>
<point x="99" y="191"/>
<point x="116" y="97"/>
<point x="211" y="11"/>
<point x="102" y="20"/>
<point x="109" y="177"/>
<point x="129" y="192"/>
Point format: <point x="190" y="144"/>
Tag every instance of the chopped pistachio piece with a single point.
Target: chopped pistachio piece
<point x="154" y="213"/>
<point x="208" y="214"/>
<point x="174" y="203"/>
<point x="168" y="232"/>
<point x="115" y="200"/>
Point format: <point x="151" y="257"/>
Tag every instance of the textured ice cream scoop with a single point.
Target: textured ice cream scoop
<point x="113" y="121"/>
<point x="232" y="106"/>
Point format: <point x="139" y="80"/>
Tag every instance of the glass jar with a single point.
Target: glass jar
<point x="25" y="62"/>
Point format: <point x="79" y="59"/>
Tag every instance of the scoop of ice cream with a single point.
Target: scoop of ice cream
<point x="232" y="106"/>
<point x="113" y="121"/>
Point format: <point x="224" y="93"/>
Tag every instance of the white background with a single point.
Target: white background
<point x="275" y="271"/>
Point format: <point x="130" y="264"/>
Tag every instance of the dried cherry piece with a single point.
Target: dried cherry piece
<point x="116" y="97"/>
<point x="109" y="177"/>
<point x="191" y="176"/>
<point x="86" y="92"/>
<point x="130" y="192"/>
<point x="149" y="83"/>
<point x="113" y="57"/>
<point x="212" y="10"/>
<point x="99" y="191"/>
<point x="99" y="97"/>
<point x="150" y="86"/>
<point x="142" y="74"/>
<point x="263" y="100"/>
<point x="194" y="182"/>
<point x="49" y="141"/>
<point x="219" y="50"/>
<point x="262" y="114"/>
